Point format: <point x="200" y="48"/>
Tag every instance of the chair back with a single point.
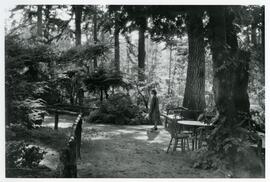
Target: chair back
<point x="191" y="114"/>
<point x="173" y="127"/>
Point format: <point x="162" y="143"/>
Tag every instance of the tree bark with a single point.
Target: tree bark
<point x="78" y="19"/>
<point x="194" y="96"/>
<point x="141" y="50"/>
<point x="116" y="49"/>
<point x="47" y="24"/>
<point x="39" y="20"/>
<point x="101" y="95"/>
<point x="224" y="76"/>
<point x="241" y="58"/>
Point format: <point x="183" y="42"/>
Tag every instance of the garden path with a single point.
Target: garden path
<point x="129" y="151"/>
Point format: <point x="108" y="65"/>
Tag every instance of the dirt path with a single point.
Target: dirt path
<point x="130" y="151"/>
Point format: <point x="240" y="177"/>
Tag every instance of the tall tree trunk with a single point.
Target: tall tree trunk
<point x="39" y="20"/>
<point x="241" y="58"/>
<point x="116" y="49"/>
<point x="47" y="24"/>
<point x="95" y="36"/>
<point x="194" y="96"/>
<point x="223" y="81"/>
<point x="230" y="80"/>
<point x="101" y="95"/>
<point x="141" y="50"/>
<point x="78" y="20"/>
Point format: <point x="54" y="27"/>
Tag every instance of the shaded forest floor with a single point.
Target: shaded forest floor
<point x="110" y="151"/>
<point x="129" y="151"/>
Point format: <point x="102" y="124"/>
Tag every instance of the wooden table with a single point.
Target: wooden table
<point x="194" y="125"/>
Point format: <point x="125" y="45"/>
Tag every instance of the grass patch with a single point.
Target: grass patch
<point x="55" y="139"/>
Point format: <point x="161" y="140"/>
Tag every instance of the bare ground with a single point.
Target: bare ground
<point x="110" y="151"/>
<point x="125" y="151"/>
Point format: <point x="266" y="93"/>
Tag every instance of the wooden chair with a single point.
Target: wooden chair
<point x="173" y="111"/>
<point x="174" y="129"/>
<point x="202" y="132"/>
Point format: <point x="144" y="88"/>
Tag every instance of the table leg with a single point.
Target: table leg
<point x="193" y="139"/>
<point x="175" y="144"/>
<point x="183" y="145"/>
<point x="200" y="140"/>
<point x="196" y="141"/>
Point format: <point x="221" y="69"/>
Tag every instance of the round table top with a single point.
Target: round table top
<point x="192" y="123"/>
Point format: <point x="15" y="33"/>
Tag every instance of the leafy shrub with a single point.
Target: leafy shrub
<point x="28" y="112"/>
<point x="171" y="101"/>
<point x="229" y="147"/>
<point x="20" y="154"/>
<point x="26" y="69"/>
<point x="118" y="109"/>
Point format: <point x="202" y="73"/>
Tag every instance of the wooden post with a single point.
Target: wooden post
<point x="73" y="161"/>
<point x="259" y="150"/>
<point x="69" y="155"/>
<point x="78" y="136"/>
<point x="56" y="119"/>
<point x="68" y="160"/>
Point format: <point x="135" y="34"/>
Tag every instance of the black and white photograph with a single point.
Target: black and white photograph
<point x="134" y="90"/>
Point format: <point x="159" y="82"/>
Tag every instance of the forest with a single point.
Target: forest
<point x="100" y="64"/>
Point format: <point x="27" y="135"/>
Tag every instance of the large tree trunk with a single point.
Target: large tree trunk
<point x="116" y="49"/>
<point x="222" y="86"/>
<point x="141" y="50"/>
<point x="78" y="19"/>
<point x="194" y="97"/>
<point x="226" y="79"/>
<point x="39" y="20"/>
<point x="229" y="83"/>
<point x="241" y="58"/>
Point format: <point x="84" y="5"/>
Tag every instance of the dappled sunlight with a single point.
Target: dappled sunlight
<point x="141" y="137"/>
<point x="65" y="121"/>
<point x="126" y="151"/>
<point x="60" y="125"/>
<point x="50" y="158"/>
<point x="138" y="132"/>
<point x="100" y="138"/>
<point x="126" y="131"/>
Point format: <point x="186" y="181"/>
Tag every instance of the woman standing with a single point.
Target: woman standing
<point x="154" y="114"/>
